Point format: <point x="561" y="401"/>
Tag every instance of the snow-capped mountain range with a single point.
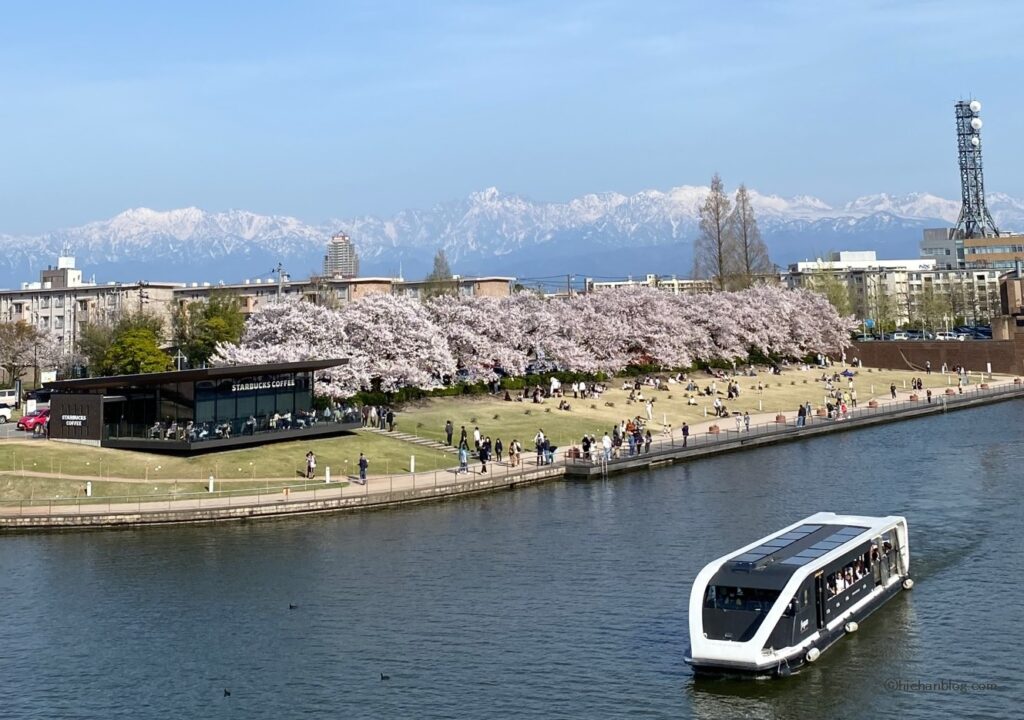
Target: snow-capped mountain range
<point x="489" y="232"/>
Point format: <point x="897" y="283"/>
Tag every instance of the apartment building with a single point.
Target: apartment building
<point x="902" y="292"/>
<point x="63" y="302"/>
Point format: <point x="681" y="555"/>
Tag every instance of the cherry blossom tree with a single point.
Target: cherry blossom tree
<point x="392" y="341"/>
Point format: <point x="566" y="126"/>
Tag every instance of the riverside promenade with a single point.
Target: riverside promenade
<point x="393" y="490"/>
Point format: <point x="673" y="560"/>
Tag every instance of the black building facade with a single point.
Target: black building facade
<point x="195" y="410"/>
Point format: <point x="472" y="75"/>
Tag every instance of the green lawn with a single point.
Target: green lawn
<point x="277" y="460"/>
<point x="521" y="420"/>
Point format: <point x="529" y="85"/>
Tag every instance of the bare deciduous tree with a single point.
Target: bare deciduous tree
<point x="751" y="252"/>
<point x="714" y="252"/>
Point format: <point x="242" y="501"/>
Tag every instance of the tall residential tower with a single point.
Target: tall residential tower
<point x="341" y="260"/>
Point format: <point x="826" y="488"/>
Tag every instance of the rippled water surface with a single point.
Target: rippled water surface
<point x="566" y="600"/>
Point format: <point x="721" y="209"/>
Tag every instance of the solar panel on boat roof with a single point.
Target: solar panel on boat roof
<point x="749" y="557"/>
<point x="811" y="553"/>
<point x="851" y="531"/>
<point x="825" y="545"/>
<point x="808" y="528"/>
<point x="796" y="560"/>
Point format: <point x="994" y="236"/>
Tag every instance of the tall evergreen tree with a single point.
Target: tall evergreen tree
<point x="751" y="252"/>
<point x="714" y="252"/>
<point x="439" y="280"/>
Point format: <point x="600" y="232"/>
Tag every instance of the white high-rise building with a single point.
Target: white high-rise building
<point x="341" y="259"/>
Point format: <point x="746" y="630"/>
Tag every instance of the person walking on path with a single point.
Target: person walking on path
<point x="649" y="407"/>
<point x="686" y="434"/>
<point x="484" y="450"/>
<point x="463" y="457"/>
<point x="310" y="465"/>
<point x="853" y="397"/>
<point x="929" y="394"/>
<point x="448" y="429"/>
<point x="801" y="416"/>
<point x="928" y="366"/>
<point x="363" y="464"/>
<point x="539" y="440"/>
<point x="606" y="445"/>
<point x="498" y="448"/>
<point x="892" y="390"/>
<point x="462" y="437"/>
<point x="476" y="439"/>
<point x="746" y="421"/>
<point x="391" y="420"/>
<point x="647" y="441"/>
<point x="739" y="423"/>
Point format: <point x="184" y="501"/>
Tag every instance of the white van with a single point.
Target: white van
<point x="900" y="335"/>
<point x="950" y="336"/>
<point x="8" y="397"/>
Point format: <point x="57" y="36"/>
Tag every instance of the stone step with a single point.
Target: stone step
<point x="414" y="439"/>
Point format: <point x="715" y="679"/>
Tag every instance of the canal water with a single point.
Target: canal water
<point x="566" y="600"/>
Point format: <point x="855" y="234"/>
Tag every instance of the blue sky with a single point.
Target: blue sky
<point x="336" y="109"/>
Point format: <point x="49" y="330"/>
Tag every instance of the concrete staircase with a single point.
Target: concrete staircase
<point x="414" y="439"/>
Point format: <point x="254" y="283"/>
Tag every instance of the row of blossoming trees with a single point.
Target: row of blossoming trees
<point x="403" y="342"/>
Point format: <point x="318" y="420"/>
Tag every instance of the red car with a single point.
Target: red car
<point x="34" y="419"/>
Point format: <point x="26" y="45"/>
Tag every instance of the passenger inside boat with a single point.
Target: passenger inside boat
<point x="849" y="575"/>
<point x="738" y="598"/>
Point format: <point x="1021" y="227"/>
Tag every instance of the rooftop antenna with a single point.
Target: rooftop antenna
<point x="975" y="219"/>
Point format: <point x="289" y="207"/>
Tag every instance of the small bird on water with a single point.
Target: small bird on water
<point x="227" y="693"/>
<point x="292" y="607"/>
<point x="385" y="677"/>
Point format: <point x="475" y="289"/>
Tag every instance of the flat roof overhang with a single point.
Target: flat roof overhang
<point x="172" y="376"/>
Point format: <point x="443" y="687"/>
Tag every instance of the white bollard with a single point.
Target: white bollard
<point x="88" y="488"/>
<point x="412" y="463"/>
<point x="327" y="474"/>
<point x="211" y="483"/>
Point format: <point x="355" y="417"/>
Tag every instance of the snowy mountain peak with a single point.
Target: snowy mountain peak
<point x="488" y="231"/>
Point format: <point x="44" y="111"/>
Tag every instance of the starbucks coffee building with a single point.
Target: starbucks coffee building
<point x="191" y="411"/>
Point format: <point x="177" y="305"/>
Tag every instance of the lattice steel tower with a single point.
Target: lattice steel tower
<point x="974" y="220"/>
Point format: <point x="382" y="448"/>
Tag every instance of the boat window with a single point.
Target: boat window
<point x="797" y="603"/>
<point x="723" y="597"/>
<point x="849" y="574"/>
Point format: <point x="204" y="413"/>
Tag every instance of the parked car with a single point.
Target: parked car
<point x="37" y="418"/>
<point x="944" y="335"/>
<point x="8" y="398"/>
<point x="863" y="338"/>
<point x="5" y="415"/>
<point x="900" y="335"/>
<point x="884" y="336"/>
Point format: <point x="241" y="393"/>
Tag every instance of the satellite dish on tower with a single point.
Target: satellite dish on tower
<point x="975" y="141"/>
<point x="976" y="123"/>
<point x="975" y="106"/>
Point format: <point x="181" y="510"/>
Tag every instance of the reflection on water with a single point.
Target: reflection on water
<point x="565" y="600"/>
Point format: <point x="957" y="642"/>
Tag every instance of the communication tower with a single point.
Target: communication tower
<point x="975" y="219"/>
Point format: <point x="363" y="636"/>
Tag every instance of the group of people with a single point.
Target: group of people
<point x="378" y="416"/>
<point x="848" y="576"/>
<point x="484" y="449"/>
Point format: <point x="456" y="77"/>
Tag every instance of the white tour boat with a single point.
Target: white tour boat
<point x="779" y="602"/>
